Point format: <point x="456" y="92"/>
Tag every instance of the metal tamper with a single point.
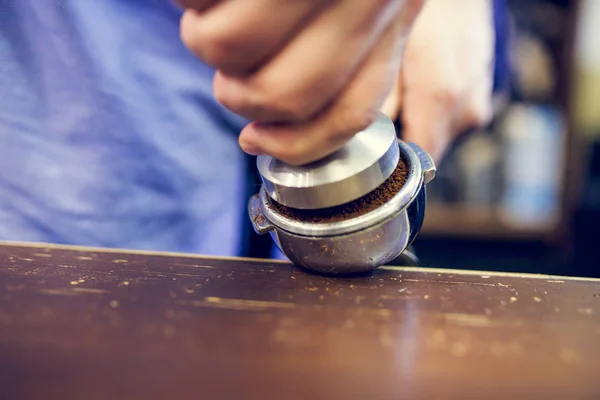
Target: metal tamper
<point x="363" y="165"/>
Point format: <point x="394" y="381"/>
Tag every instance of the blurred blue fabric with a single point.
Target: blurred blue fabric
<point x="109" y="133"/>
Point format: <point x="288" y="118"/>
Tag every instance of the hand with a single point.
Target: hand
<point x="445" y="82"/>
<point x="310" y="74"/>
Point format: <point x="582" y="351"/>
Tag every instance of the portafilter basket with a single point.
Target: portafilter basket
<point x="357" y="244"/>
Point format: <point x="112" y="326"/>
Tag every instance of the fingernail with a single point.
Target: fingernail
<point x="251" y="148"/>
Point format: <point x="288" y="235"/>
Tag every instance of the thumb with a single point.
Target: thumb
<point x="427" y="120"/>
<point x="393" y="102"/>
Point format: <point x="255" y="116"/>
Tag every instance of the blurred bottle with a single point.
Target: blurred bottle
<point x="479" y="161"/>
<point x="586" y="88"/>
<point x="534" y="74"/>
<point x="533" y="139"/>
<point x="586" y="121"/>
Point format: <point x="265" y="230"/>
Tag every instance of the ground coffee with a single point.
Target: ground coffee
<point x="363" y="205"/>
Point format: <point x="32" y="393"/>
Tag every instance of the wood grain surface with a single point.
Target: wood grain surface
<point x="98" y="324"/>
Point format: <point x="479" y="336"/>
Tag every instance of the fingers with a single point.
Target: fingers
<point x="352" y="111"/>
<point x="236" y="36"/>
<point x="313" y="68"/>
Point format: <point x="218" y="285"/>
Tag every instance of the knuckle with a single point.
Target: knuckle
<point x="267" y="106"/>
<point x="243" y="98"/>
<point x="268" y="97"/>
<point x="213" y="47"/>
<point x="214" y="51"/>
<point x="223" y="97"/>
<point x="289" y="110"/>
<point x="278" y="101"/>
<point x="281" y="98"/>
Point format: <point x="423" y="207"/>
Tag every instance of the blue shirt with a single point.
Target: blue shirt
<point x="109" y="132"/>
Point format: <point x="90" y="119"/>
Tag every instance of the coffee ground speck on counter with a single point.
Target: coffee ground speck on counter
<point x="369" y="202"/>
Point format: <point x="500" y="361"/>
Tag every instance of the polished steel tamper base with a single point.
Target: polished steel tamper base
<point x="356" y="169"/>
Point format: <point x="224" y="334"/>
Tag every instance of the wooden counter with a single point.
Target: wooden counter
<point x="97" y="324"/>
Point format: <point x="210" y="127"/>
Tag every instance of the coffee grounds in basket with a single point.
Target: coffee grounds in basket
<point x="369" y="202"/>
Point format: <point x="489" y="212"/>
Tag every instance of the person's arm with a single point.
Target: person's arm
<point x="454" y="60"/>
<point x="310" y="74"/>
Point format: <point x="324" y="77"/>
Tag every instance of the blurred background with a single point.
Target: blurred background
<point x="524" y="194"/>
